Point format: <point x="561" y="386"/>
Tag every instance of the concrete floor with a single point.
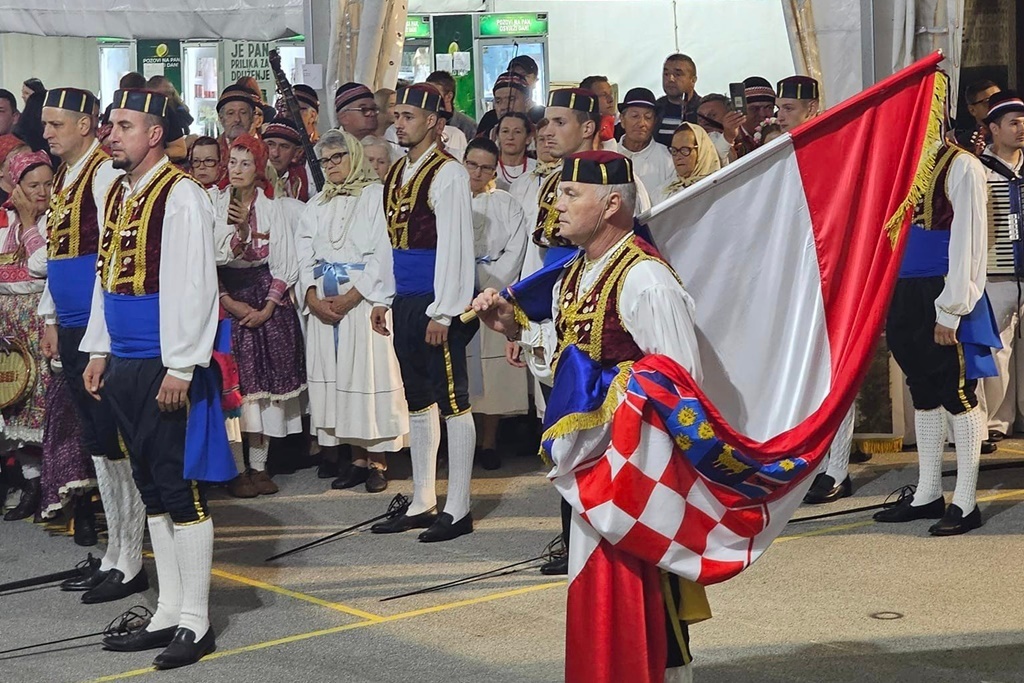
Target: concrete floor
<point x="807" y="612"/>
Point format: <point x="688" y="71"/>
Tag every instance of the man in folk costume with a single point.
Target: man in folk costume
<point x="797" y="100"/>
<point x="430" y="222"/>
<point x="150" y="335"/>
<point x="500" y="232"/>
<point x="236" y="109"/>
<point x="1004" y="168"/>
<point x="942" y="332"/>
<point x="254" y="234"/>
<point x="287" y="171"/>
<point x="74" y="225"/>
<point x="615" y="302"/>
<point x="345" y="272"/>
<point x="309" y="108"/>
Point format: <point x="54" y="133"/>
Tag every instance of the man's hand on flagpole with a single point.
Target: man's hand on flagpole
<point x="945" y="336"/>
<point x="496" y="312"/>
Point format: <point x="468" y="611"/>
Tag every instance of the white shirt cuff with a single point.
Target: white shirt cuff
<point x="950" y="320"/>
<point x="182" y="373"/>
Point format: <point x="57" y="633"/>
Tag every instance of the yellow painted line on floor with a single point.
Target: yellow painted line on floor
<point x="347" y="627"/>
<point x="336" y="606"/>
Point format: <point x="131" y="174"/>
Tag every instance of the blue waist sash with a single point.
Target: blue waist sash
<point x="553" y="254"/>
<point x="71" y="282"/>
<point x="414" y="271"/>
<point x="334" y="275"/>
<point x="134" y="324"/>
<point x="927" y="253"/>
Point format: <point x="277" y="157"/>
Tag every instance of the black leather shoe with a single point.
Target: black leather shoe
<point x="85" y="522"/>
<point x="405" y="522"/>
<point x="445" y="528"/>
<point x="953" y="523"/>
<point x="89" y="576"/>
<point x="376" y="480"/>
<point x="140" y="640"/>
<point x="184" y="649"/>
<point x="327" y="469"/>
<point x="489" y="459"/>
<point x="995" y="437"/>
<point x="825" y="490"/>
<point x="905" y="512"/>
<point x="988" y="447"/>
<point x="355" y="477"/>
<point x="114" y="587"/>
<point x="31" y="492"/>
<point x="556" y="567"/>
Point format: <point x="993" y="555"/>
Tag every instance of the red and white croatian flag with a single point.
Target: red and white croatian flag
<point x="791" y="255"/>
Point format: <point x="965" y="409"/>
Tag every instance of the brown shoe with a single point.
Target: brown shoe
<point x="263" y="484"/>
<point x="242" y="487"/>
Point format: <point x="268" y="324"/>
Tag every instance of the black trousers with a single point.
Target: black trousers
<point x="155" y="440"/>
<point x="431" y="374"/>
<point x="935" y="374"/>
<point x="99" y="431"/>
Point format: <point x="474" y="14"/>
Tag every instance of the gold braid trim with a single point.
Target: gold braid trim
<point x="926" y="162"/>
<point x="577" y="422"/>
<point x="875" y="445"/>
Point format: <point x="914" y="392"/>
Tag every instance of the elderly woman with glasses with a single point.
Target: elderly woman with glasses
<point x="345" y="272"/>
<point x="694" y="156"/>
<point x="257" y="253"/>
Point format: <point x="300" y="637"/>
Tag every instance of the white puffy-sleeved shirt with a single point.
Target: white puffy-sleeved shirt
<point x="455" y="270"/>
<point x="655" y="310"/>
<point x="652" y="165"/>
<point x="967" y="191"/>
<point x="29" y="276"/>
<point x="500" y="232"/>
<point x="271" y="241"/>
<point x="188" y="281"/>
<point x="104" y="177"/>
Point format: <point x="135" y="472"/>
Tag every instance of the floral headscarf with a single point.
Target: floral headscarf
<point x="22" y="163"/>
<point x="707" y="158"/>
<point x="360" y="173"/>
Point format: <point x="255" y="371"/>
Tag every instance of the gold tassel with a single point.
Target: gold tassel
<point x="875" y="445"/>
<point x="926" y="163"/>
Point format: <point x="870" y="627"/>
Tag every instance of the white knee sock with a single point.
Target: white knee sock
<point x="931" y="439"/>
<point x="168" y="603"/>
<point x="194" y="546"/>
<point x="461" y="449"/>
<point x="130" y="522"/>
<point x="31" y="465"/>
<point x="424" y="440"/>
<point x="259" y="447"/>
<point x="111" y="499"/>
<point x="238" y="454"/>
<point x="970" y="430"/>
<point x="839" y="452"/>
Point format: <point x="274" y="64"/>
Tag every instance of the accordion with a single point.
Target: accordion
<point x="1006" y="246"/>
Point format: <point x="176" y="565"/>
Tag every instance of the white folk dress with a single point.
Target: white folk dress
<point x="355" y="386"/>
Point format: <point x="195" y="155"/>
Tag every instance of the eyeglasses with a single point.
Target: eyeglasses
<point x="365" y="111"/>
<point x="204" y="163"/>
<point x="334" y="159"/>
<point x="984" y="101"/>
<point x="681" y="151"/>
<point x="472" y="166"/>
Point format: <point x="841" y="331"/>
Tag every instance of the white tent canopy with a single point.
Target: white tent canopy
<point x="185" y="19"/>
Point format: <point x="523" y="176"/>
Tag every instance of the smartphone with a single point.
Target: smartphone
<point x="738" y="97"/>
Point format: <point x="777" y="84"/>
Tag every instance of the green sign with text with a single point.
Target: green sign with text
<point x="417" y="26"/>
<point x="160" y="58"/>
<point x="529" y="24"/>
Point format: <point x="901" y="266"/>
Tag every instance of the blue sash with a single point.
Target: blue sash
<point x="334" y="275"/>
<point x="414" y="271"/>
<point x="927" y="255"/>
<point x="555" y="254"/>
<point x="71" y="282"/>
<point x="134" y="326"/>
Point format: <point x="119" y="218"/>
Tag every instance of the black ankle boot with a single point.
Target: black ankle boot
<point x="85" y="521"/>
<point x="31" y="491"/>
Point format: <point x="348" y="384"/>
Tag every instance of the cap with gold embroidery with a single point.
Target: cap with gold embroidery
<point x="598" y="167"/>
<point x="422" y="95"/>
<point x="72" y="99"/>
<point x="579" y="99"/>
<point x="146" y="101"/>
<point x="798" y="88"/>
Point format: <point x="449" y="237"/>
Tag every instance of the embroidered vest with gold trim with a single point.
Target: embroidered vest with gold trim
<point x="935" y="211"/>
<point x="132" y="233"/>
<point x="591" y="320"/>
<point x="73" y="221"/>
<point x="547" y="216"/>
<point x="412" y="223"/>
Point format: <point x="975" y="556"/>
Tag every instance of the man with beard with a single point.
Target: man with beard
<point x="236" y="109"/>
